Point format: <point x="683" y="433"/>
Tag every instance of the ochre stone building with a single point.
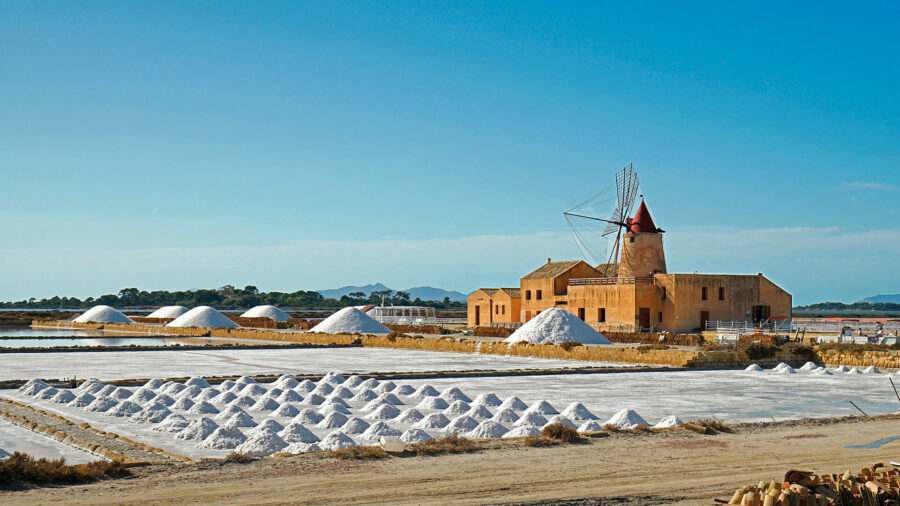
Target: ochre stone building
<point x="635" y="294"/>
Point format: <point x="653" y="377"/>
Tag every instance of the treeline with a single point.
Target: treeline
<point x="229" y="297"/>
<point x="861" y="306"/>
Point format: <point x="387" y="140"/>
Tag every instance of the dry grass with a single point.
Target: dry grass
<point x="561" y="432"/>
<point x="448" y="444"/>
<point x="359" y="453"/>
<point x="642" y="428"/>
<point x="569" y="345"/>
<point x="715" y="425"/>
<point x="239" y="457"/>
<point x="539" y="441"/>
<point x="23" y="469"/>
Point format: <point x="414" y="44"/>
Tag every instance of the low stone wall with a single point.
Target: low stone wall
<point x="880" y="359"/>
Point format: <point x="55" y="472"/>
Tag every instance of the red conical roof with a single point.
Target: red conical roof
<point x="642" y="222"/>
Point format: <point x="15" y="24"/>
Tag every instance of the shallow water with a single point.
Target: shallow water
<point x="874" y="444"/>
<point x="116" y="341"/>
<point x="15" y="331"/>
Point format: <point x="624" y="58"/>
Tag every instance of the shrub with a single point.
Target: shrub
<point x="610" y="427"/>
<point x="718" y="347"/>
<point x="561" y="432"/>
<point x="756" y="351"/>
<point x="641" y="428"/>
<point x="239" y="457"/>
<point x="539" y="441"/>
<point x="803" y="350"/>
<point x="569" y="345"/>
<point x="714" y="424"/>
<point x="447" y="444"/>
<point x="644" y="348"/>
<point x="23" y="468"/>
<point x="360" y="452"/>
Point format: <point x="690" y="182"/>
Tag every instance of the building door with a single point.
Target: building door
<point x="644" y="317"/>
<point x="477" y="315"/>
<point x="760" y="313"/>
<point x="581" y="313"/>
<point x="704" y="317"/>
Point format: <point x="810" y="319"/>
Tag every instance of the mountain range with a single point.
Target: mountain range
<point x="882" y="298"/>
<point x="419" y="292"/>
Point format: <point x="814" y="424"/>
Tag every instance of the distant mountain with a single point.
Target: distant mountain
<point x="883" y="298"/>
<point x="420" y="292"/>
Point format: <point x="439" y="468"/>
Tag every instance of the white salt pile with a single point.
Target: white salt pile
<point x="409" y="416"/>
<point x="783" y="368"/>
<point x="103" y="314"/>
<point x="305" y="386"/>
<point x="33" y="386"/>
<point x="189" y="392"/>
<point x="480" y="413"/>
<point x="384" y="412"/>
<point x="531" y="419"/>
<point x="153" y="413"/>
<point x="332" y="421"/>
<point x="505" y="415"/>
<point x="268" y="424"/>
<point x="561" y="419"/>
<point x="199" y="429"/>
<point x="313" y="400"/>
<point x="542" y="408"/>
<point x="433" y="421"/>
<point x="406" y="390"/>
<point x="414" y="436"/>
<point x="355" y="425"/>
<point x="164" y="399"/>
<point x="385" y="387"/>
<point x="297" y="433"/>
<point x="265" y="404"/>
<point x="333" y="377"/>
<point x="753" y="368"/>
<point x="364" y="395"/>
<point x="101" y="404"/>
<point x="168" y="312"/>
<point x="286" y="381"/>
<point x="342" y="392"/>
<point x="226" y="397"/>
<point x="488" y="400"/>
<point x="242" y="402"/>
<point x="64" y="396"/>
<point x="378" y="429"/>
<point x="170" y="388"/>
<point x="121" y="394"/>
<point x="821" y="372"/>
<point x="840" y="368"/>
<point x="454" y="394"/>
<point x="373" y="405"/>
<point x="308" y="416"/>
<point x="202" y="316"/>
<point x="523" y="431"/>
<point x="227" y="385"/>
<point x="223" y="438"/>
<point x="270" y="312"/>
<point x="302" y="448"/>
<point x="353" y="381"/>
<point x="209" y="394"/>
<point x="626" y="419"/>
<point x="289" y="396"/>
<point x="229" y="412"/>
<point x="871" y="370"/>
<point x="336" y="440"/>
<point x="153" y="384"/>
<point x="172" y="423"/>
<point x="262" y="443"/>
<point x="252" y="389"/>
<point x="591" y="426"/>
<point x="487" y="429"/>
<point x="809" y="366"/>
<point x="47" y="393"/>
<point x="286" y="411"/>
<point x="513" y="403"/>
<point x="669" y="421"/>
<point x="82" y="400"/>
<point x="125" y="408"/>
<point x="433" y="403"/>
<point x="555" y="326"/>
<point x="457" y="408"/>
<point x="854" y="371"/>
<point x="197" y="381"/>
<point x="245" y="380"/>
<point x="327" y="409"/>
<point x="323" y="389"/>
<point x="425" y="391"/>
<point x="461" y="424"/>
<point x="240" y="420"/>
<point x="577" y="411"/>
<point x="143" y="395"/>
<point x="350" y="319"/>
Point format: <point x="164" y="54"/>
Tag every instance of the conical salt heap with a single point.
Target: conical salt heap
<point x="202" y="316"/>
<point x="555" y="326"/>
<point x="103" y="314"/>
<point x="350" y="319"/>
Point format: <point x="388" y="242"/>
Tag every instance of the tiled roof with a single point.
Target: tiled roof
<point x="551" y="269"/>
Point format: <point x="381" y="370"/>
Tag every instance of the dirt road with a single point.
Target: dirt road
<point x="675" y="467"/>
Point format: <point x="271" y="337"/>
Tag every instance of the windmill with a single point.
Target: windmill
<point x="584" y="226"/>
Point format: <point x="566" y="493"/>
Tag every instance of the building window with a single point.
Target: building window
<point x="663" y="293"/>
<point x="503" y="309"/>
<point x="631" y="239"/>
<point x="703" y="293"/>
<point x="496" y="309"/>
<point x="527" y="294"/>
<point x="601" y="315"/>
<point x="581" y="313"/>
<point x="538" y="295"/>
<point x="659" y="317"/>
<point x="721" y="293"/>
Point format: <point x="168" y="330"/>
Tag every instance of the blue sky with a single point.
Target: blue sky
<point x="183" y="145"/>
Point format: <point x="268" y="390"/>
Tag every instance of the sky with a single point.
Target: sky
<point x="310" y="145"/>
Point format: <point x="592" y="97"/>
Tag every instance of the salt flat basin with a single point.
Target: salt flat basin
<point x="148" y="364"/>
<point x="124" y="341"/>
<point x="16" y="331"/>
<point x="14" y="438"/>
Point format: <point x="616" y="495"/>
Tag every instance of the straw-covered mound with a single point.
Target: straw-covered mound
<point x="168" y="312"/>
<point x="202" y="316"/>
<point x="103" y="314"/>
<point x="555" y="326"/>
<point x="350" y="319"/>
<point x="270" y="312"/>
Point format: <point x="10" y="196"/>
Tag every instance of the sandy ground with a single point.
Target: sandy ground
<point x="675" y="467"/>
